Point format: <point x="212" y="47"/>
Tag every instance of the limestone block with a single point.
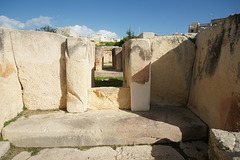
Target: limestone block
<point x="67" y="31"/>
<point x="138" y="72"/>
<point x="4" y="147"/>
<point x="105" y="127"/>
<point x="10" y="88"/>
<point x="78" y="71"/>
<point x="22" y="156"/>
<point x="117" y="58"/>
<point x="215" y="87"/>
<point x="224" y="145"/>
<point x="98" y="60"/>
<point x="171" y="69"/>
<point x="41" y="63"/>
<point x="109" y="98"/>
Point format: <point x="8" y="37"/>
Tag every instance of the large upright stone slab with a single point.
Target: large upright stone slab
<point x="41" y="63"/>
<point x="137" y="72"/>
<point x="171" y="70"/>
<point x="117" y="58"/>
<point x="10" y="88"/>
<point x="79" y="70"/>
<point x="215" y="95"/>
<point x="98" y="58"/>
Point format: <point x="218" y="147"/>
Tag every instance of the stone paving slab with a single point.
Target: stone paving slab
<point x="4" y="147"/>
<point x="106" y="127"/>
<point x="108" y="73"/>
<point x="144" y="152"/>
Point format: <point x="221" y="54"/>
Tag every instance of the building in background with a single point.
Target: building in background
<point x="197" y="27"/>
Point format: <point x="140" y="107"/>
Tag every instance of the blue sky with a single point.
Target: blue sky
<point x="114" y="17"/>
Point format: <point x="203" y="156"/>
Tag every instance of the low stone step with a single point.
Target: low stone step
<point x="105" y="127"/>
<point x="108" y="73"/>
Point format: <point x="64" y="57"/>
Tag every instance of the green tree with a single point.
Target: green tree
<point x="130" y="35"/>
<point x="47" y="29"/>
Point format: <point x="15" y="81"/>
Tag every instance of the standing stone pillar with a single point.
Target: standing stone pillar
<point x="77" y="74"/>
<point x="117" y="58"/>
<point x="138" y="72"/>
<point x="98" y="58"/>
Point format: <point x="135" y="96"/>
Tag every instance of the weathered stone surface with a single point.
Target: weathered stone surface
<point x="148" y="153"/>
<point x="224" y="145"/>
<point x="137" y="72"/>
<point x="10" y="88"/>
<point x="79" y="73"/>
<point x="107" y="153"/>
<point x="109" y="98"/>
<point x="41" y="64"/>
<point x="101" y="153"/>
<point x="108" y="73"/>
<point x="105" y="127"/>
<point x="214" y="95"/>
<point x="4" y="147"/>
<point x="195" y="150"/>
<point x="98" y="58"/>
<point x="117" y="58"/>
<point x="67" y="31"/>
<point x="172" y="61"/>
<point x="23" y="156"/>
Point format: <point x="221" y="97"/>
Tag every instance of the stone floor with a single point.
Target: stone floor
<point x="178" y="151"/>
<point x="162" y="133"/>
<point x="105" y="127"/>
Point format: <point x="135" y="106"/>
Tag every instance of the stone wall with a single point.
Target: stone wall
<point x="171" y="69"/>
<point x="41" y="66"/>
<point x="33" y="71"/>
<point x="107" y="53"/>
<point x="215" y="95"/>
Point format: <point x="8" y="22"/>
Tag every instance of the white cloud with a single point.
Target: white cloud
<point x="108" y="34"/>
<point x="41" y="21"/>
<point x="84" y="31"/>
<point x="31" y="24"/>
<point x="10" y="23"/>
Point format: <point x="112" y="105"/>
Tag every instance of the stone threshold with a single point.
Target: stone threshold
<point x="106" y="127"/>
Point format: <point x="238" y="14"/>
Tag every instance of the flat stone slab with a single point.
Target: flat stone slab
<point x="108" y="73"/>
<point x="4" y="147"/>
<point x="106" y="153"/>
<point x="106" y="127"/>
